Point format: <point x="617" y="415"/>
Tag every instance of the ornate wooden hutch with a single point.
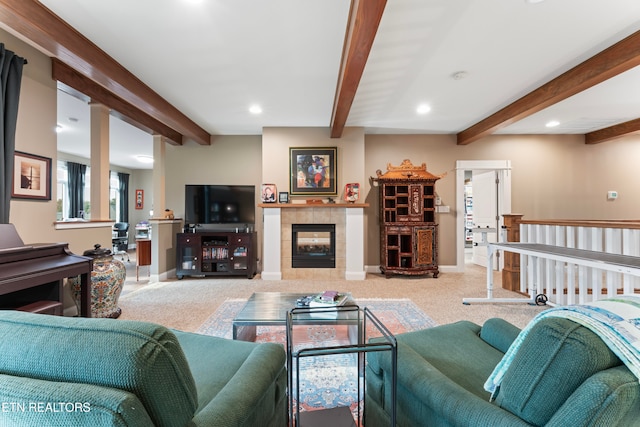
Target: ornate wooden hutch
<point x="408" y="231"/>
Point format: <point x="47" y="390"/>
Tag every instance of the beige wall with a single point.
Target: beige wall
<point x="275" y="148"/>
<point x="35" y="134"/>
<point x="140" y="179"/>
<point x="553" y="176"/>
<point x="229" y="160"/>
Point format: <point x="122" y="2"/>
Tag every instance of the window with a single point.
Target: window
<point x="119" y="196"/>
<point x="62" y="191"/>
<point x="63" y="200"/>
<point x="115" y="204"/>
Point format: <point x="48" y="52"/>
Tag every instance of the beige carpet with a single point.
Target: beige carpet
<point x="186" y="304"/>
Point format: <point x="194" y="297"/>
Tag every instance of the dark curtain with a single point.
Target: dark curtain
<point x="10" y="78"/>
<point x="123" y="193"/>
<point x="76" y="172"/>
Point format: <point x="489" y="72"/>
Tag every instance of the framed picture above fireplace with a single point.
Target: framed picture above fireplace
<point x="313" y="171"/>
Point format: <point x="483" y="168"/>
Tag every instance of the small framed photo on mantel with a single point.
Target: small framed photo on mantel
<point x="283" y="197"/>
<point x="352" y="192"/>
<point x="268" y="193"/>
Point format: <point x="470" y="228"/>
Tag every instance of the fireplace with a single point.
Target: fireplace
<point x="313" y="245"/>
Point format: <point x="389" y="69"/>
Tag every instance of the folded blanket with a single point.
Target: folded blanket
<point x="615" y="320"/>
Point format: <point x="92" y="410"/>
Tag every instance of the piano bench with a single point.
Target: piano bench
<point x="43" y="307"/>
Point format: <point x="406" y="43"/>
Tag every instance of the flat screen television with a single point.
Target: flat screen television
<point x="220" y="204"/>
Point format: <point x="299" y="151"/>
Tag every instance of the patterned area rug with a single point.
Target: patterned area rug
<point x="398" y="315"/>
<point x="327" y="381"/>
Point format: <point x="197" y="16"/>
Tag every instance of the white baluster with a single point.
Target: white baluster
<point x="559" y="240"/>
<point x="595" y="234"/>
<point x="613" y="245"/>
<point x="571" y="268"/>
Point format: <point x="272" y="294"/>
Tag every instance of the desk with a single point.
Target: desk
<point x="617" y="263"/>
<point x="143" y="255"/>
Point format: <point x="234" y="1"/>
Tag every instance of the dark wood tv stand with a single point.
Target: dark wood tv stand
<point x="216" y="253"/>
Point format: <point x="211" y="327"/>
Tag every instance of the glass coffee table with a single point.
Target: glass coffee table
<point x="271" y="309"/>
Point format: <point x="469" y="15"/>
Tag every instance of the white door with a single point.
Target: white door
<point x="485" y="213"/>
<point x="500" y="168"/>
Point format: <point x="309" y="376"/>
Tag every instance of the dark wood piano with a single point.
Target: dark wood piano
<point x="31" y="276"/>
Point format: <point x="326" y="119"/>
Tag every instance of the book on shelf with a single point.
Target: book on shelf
<point x="214" y="253"/>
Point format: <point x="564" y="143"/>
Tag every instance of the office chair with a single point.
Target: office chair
<point x="120" y="239"/>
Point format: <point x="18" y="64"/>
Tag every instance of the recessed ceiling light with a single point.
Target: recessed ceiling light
<point x="459" y="75"/>
<point x="533" y="1"/>
<point x="255" y="109"/>
<point x="423" y="109"/>
<point x="144" y="159"/>
<point x="552" y="124"/>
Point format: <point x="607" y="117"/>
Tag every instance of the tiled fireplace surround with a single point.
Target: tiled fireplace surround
<point x="276" y="254"/>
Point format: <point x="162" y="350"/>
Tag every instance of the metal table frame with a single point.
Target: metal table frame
<point x="351" y="315"/>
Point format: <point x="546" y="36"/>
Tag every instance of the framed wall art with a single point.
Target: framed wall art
<point x="139" y="199"/>
<point x="31" y="177"/>
<point x="313" y="171"/>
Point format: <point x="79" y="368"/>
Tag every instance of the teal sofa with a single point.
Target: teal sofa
<point x="562" y="375"/>
<point x="57" y="371"/>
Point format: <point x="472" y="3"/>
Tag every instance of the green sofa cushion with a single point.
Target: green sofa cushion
<point x="555" y="358"/>
<point x="441" y="372"/>
<point x="243" y="384"/>
<point x="142" y="358"/>
<point x="28" y="402"/>
<point x="499" y="333"/>
<point x="447" y="348"/>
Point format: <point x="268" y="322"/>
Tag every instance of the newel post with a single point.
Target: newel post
<point x="511" y="270"/>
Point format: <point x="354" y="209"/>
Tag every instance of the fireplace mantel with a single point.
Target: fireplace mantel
<point x="349" y="217"/>
<point x="313" y="205"/>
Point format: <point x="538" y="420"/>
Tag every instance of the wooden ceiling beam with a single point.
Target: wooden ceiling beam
<point x="612" y="132"/>
<point x="36" y="23"/>
<point x="612" y="61"/>
<point x="362" y="26"/>
<point x="72" y="78"/>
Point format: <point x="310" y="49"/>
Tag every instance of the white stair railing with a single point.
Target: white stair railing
<point x="566" y="283"/>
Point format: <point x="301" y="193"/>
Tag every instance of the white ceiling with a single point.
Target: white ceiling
<point x="213" y="59"/>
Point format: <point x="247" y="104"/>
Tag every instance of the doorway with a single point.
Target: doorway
<point x="491" y="198"/>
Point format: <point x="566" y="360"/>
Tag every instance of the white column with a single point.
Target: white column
<point x="271" y="263"/>
<point x="355" y="244"/>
